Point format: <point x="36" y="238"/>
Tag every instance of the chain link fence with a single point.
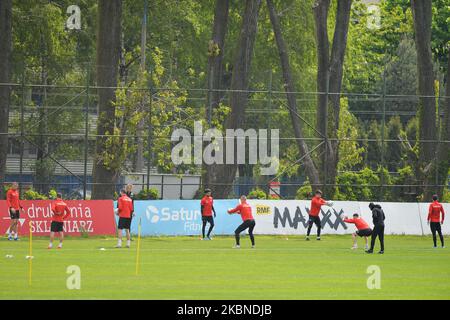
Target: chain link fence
<point x="52" y="136"/>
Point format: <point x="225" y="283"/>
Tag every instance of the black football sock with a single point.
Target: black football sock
<point x="237" y="239"/>
<point x="210" y="229"/>
<point x="203" y="228"/>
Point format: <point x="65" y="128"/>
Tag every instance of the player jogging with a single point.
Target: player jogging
<point x="435" y="220"/>
<point x="316" y="203"/>
<point x="363" y="230"/>
<point x="60" y="213"/>
<point x="207" y="209"/>
<point x="125" y="206"/>
<point x="14" y="208"/>
<point x="245" y="210"/>
<point x="378" y="218"/>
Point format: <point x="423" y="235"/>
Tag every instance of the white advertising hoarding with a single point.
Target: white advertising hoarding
<point x="289" y="217"/>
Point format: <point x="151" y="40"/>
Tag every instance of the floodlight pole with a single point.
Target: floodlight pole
<point x="383" y="124"/>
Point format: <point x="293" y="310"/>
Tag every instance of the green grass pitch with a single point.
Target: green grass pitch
<point x="187" y="268"/>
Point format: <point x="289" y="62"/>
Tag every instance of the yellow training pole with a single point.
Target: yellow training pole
<point x="30" y="257"/>
<point x="138" y="248"/>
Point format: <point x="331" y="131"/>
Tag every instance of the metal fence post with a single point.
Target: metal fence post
<point x="149" y="138"/>
<point x="325" y="162"/>
<point x="86" y="132"/>
<point x="22" y="129"/>
<point x="181" y="188"/>
<point x="436" y="153"/>
<point x="269" y="125"/>
<point x="162" y="186"/>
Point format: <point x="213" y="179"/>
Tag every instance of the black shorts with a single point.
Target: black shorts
<point x="435" y="227"/>
<point x="14" y="214"/>
<point x="124" y="223"/>
<point x="250" y="224"/>
<point x="208" y="219"/>
<point x="364" y="232"/>
<point x="315" y="220"/>
<point x="57" y="226"/>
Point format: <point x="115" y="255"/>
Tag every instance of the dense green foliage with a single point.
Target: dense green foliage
<point x="257" y="194"/>
<point x="169" y="91"/>
<point x="31" y="194"/>
<point x="148" y="194"/>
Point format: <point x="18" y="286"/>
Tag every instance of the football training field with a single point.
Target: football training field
<point x="187" y="268"/>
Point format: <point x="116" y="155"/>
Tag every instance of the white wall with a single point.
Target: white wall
<point x="172" y="184"/>
<point x="401" y="218"/>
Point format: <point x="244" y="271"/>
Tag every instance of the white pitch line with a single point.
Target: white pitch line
<point x="324" y="250"/>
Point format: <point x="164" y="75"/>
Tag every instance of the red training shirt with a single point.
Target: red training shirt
<point x="125" y="206"/>
<point x="316" y="203"/>
<point x="245" y="210"/>
<point x="359" y="223"/>
<point x="434" y="212"/>
<point x="12" y="199"/>
<point x="60" y="210"/>
<point x="207" y="203"/>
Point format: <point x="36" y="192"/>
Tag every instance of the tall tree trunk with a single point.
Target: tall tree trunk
<point x="422" y="15"/>
<point x="310" y="168"/>
<point x="5" y="77"/>
<point x="215" y="73"/>
<point x="329" y="84"/>
<point x="238" y="97"/>
<point x="139" y="162"/>
<point x="320" y="9"/>
<point x="215" y="53"/>
<point x="108" y="54"/>
<point x="443" y="153"/>
<point x="43" y="169"/>
<point x="334" y="88"/>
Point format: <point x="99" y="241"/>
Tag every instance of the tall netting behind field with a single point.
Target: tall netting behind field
<point x="52" y="137"/>
<point x="48" y="149"/>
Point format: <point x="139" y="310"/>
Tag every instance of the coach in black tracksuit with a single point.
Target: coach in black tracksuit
<point x="378" y="227"/>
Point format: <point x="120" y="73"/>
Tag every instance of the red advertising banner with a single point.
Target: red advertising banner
<point x="94" y="217"/>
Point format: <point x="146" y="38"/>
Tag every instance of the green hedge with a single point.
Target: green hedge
<point x="31" y="194"/>
<point x="148" y="194"/>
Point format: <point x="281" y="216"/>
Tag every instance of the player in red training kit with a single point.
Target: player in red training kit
<point x="125" y="210"/>
<point x="363" y="230"/>
<point x="435" y="220"/>
<point x="207" y="209"/>
<point x="245" y="210"/>
<point x="14" y="208"/>
<point x="60" y="213"/>
<point x="316" y="203"/>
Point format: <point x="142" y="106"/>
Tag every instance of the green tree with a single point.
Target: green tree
<point x="239" y="84"/>
<point x="357" y="186"/>
<point x="5" y="77"/>
<point x="45" y="55"/>
<point x="109" y="31"/>
<point x="394" y="150"/>
<point x="373" y="145"/>
<point x="350" y="151"/>
<point x="401" y="81"/>
<point x="422" y="18"/>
